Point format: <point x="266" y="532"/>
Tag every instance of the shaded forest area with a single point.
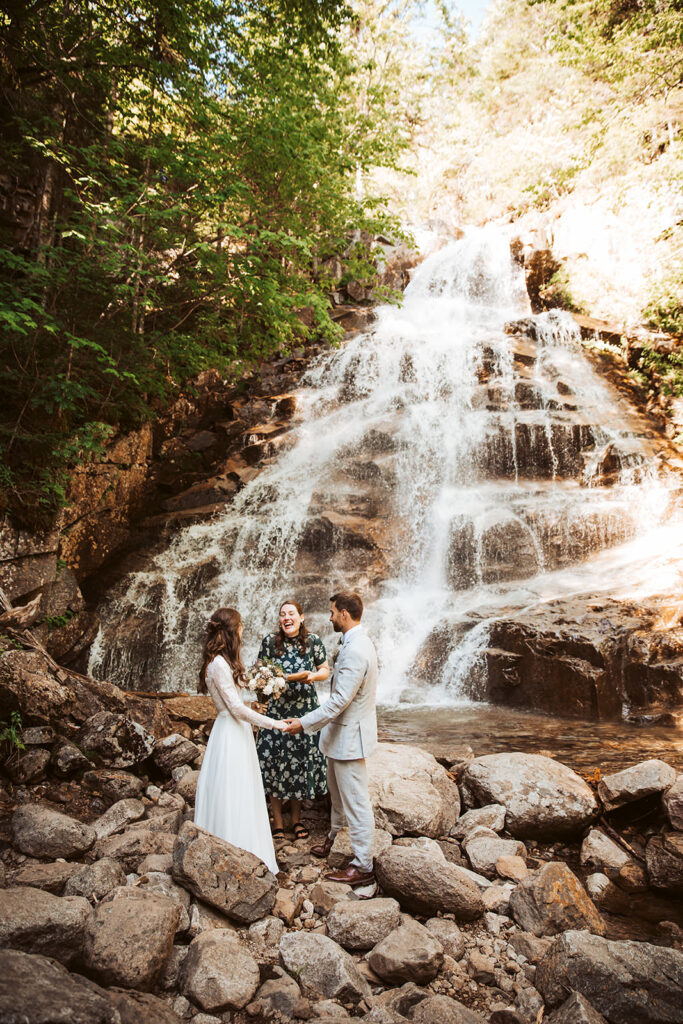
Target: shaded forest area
<point x="173" y="177"/>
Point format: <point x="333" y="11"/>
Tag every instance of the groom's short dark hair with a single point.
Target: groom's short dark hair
<point x="350" y="602"/>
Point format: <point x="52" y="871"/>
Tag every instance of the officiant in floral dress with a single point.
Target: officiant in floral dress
<point x="292" y="766"/>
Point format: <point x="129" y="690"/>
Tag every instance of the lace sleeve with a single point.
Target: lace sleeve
<point x="220" y="676"/>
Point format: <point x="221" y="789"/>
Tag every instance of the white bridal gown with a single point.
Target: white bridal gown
<point x="230" y="801"/>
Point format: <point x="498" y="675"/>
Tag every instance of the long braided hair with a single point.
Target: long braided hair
<point x="223" y="637"/>
<point x="301" y="639"/>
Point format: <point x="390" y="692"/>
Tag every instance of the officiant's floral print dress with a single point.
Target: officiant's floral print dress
<point x="292" y="766"/>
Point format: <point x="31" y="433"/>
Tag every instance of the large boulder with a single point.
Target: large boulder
<point x="542" y="798"/>
<point x="38" y="922"/>
<point x="576" y="1010"/>
<point x="409" y="953"/>
<point x="218" y="972"/>
<point x="112" y="784"/>
<point x="40" y="832"/>
<point x="444" y="1010"/>
<point x="552" y="900"/>
<point x="664" y="856"/>
<point x="38" y="990"/>
<point x="411" y="793"/>
<point x="120" y="814"/>
<point x="635" y="783"/>
<point x="129" y="940"/>
<point x="423" y="884"/>
<point x="115" y="740"/>
<point x="322" y="968"/>
<point x="174" y="750"/>
<point x="52" y="877"/>
<point x="234" y="881"/>
<point x="627" y="982"/>
<point x="361" y="924"/>
<point x="483" y="848"/>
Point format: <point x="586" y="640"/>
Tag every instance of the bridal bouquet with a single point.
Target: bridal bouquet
<point x="266" y="679"/>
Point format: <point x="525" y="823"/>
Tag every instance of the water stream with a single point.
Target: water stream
<point x="451" y="470"/>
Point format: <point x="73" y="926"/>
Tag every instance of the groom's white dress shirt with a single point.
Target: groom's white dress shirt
<point x="347" y="720"/>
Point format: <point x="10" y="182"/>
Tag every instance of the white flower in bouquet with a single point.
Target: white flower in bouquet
<point x="266" y="679"/>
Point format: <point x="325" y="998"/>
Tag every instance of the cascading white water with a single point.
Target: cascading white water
<point x="460" y="460"/>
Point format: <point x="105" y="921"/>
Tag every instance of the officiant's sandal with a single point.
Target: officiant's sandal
<point x="300" y="831"/>
<point x="279" y="837"/>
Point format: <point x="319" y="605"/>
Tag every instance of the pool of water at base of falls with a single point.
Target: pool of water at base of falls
<point x="488" y="729"/>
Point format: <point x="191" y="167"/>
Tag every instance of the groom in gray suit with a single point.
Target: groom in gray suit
<point x="348" y="734"/>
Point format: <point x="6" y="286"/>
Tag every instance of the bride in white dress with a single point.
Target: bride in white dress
<point x="230" y="801"/>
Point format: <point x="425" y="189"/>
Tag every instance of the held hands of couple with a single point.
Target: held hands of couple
<point x="290" y="725"/>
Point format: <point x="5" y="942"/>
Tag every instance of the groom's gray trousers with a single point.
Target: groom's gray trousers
<point x="348" y="785"/>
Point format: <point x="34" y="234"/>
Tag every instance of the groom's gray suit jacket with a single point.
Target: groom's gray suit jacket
<point x="348" y="719"/>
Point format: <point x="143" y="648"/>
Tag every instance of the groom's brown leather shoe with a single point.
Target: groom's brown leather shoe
<point x="322" y="849"/>
<point x="351" y="875"/>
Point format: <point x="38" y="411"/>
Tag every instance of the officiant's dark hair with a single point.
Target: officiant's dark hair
<point x="350" y="602"/>
<point x="301" y="639"/>
<point x="222" y="637"/>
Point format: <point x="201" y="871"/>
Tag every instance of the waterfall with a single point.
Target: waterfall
<point x="448" y="466"/>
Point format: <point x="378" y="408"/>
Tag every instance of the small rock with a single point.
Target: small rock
<point x="444" y="1010"/>
<point x="361" y="924"/>
<point x="497" y="898"/>
<point x="206" y="919"/>
<point x="132" y="846"/>
<point x="186" y="785"/>
<point x="233" y="881"/>
<point x="408" y="953"/>
<point x="481" y="968"/>
<point x="38" y="922"/>
<point x="41" y="832"/>
<point x="531" y="946"/>
<point x="673" y="803"/>
<point x="38" y="736"/>
<point x="95" y="881"/>
<point x="135" y="1007"/>
<point x="600" y="853"/>
<point x="430" y="846"/>
<point x="325" y="895"/>
<point x="483" y="851"/>
<point x="576" y="1010"/>
<point x="168" y="979"/>
<point x="634" y="783"/>
<point x="448" y="934"/>
<point x="67" y="760"/>
<point x="160" y="883"/>
<point x="492" y="816"/>
<point x="322" y="968"/>
<point x="288" y="903"/>
<point x="267" y="932"/>
<point x="118" y="816"/>
<point x="115" y="739"/>
<point x="155" y="862"/>
<point x="218" y="973"/>
<point x="552" y="900"/>
<point x="31" y="766"/>
<point x="511" y="866"/>
<point x="278" y="996"/>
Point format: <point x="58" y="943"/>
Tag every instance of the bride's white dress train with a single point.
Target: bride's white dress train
<point x="230" y="801"/>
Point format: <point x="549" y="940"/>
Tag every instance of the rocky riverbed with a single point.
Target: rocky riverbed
<point x="510" y="889"/>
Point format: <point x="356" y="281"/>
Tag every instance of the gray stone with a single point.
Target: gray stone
<point x="232" y="880"/>
<point x="552" y="900"/>
<point x="267" y="932"/>
<point x="118" y="816"/>
<point x="116" y="740"/>
<point x="325" y="895"/>
<point x="361" y="924"/>
<point x="673" y="803"/>
<point x="218" y="972"/>
<point x="448" y="934"/>
<point x="41" y="832"/>
<point x="444" y="1010"/>
<point x="132" y="846"/>
<point x="160" y="883"/>
<point x="170" y="974"/>
<point x="576" y="1010"/>
<point x="129" y="939"/>
<point x="139" y="1007"/>
<point x="627" y="982"/>
<point x="38" y="736"/>
<point x="206" y="919"/>
<point x="51" y="877"/>
<point x="542" y="798"/>
<point x="411" y="792"/>
<point x="664" y="856"/>
<point x="634" y="783"/>
<point x="38" y="922"/>
<point x="278" y="996"/>
<point x="67" y="760"/>
<point x="95" y="881"/>
<point x="484" y="849"/>
<point x="492" y="816"/>
<point x="600" y="853"/>
<point x="408" y="953"/>
<point x="533" y="947"/>
<point x="31" y="766"/>
<point x="322" y="968"/>
<point x="174" y="750"/>
<point x="155" y="862"/>
<point x="38" y="990"/>
<point x="186" y="787"/>
<point x="113" y="785"/>
<point x="422" y="884"/>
